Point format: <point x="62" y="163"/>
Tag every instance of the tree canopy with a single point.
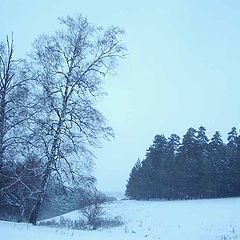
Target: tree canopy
<point x="195" y="168"/>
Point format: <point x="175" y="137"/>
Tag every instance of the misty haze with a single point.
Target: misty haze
<point x="119" y="120"/>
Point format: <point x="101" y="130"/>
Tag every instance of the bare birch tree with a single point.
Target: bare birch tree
<point x="13" y="101"/>
<point x="68" y="69"/>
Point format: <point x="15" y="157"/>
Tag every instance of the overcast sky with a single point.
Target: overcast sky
<point x="182" y="69"/>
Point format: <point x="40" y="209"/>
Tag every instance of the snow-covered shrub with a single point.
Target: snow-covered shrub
<point x="65" y="223"/>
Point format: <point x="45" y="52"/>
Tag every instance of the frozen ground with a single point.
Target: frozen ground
<point x="165" y="220"/>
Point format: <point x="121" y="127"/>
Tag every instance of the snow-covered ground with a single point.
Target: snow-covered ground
<point x="165" y="220"/>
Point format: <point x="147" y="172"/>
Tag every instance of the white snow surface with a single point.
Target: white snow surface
<point x="166" y="220"/>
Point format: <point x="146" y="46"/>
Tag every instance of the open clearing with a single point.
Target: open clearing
<point x="165" y="220"/>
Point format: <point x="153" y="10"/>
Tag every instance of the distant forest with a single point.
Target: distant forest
<point x="194" y="167"/>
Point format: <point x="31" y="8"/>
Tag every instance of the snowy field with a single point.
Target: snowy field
<point x="165" y="220"/>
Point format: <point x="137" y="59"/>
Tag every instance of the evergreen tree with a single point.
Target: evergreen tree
<point x="156" y="156"/>
<point x="235" y="169"/>
<point x="133" y="181"/>
<point x="187" y="164"/>
<point x="217" y="157"/>
<point x="202" y="161"/>
<point x="196" y="168"/>
<point x="232" y="157"/>
<point x="172" y="151"/>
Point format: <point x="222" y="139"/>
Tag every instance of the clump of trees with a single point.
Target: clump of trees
<point x="195" y="167"/>
<point x="49" y="120"/>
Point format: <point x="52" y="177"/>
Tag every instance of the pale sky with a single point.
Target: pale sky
<point x="182" y="69"/>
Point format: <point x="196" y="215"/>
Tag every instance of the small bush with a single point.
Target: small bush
<point x="93" y="209"/>
<point x="65" y="223"/>
<point x="81" y="224"/>
<point x="111" y="222"/>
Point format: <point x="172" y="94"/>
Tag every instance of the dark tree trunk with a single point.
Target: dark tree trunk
<point x="38" y="205"/>
<point x="43" y="190"/>
<point x="36" y="209"/>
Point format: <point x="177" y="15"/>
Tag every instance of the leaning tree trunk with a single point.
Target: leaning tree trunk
<point x="38" y="205"/>
<point x="47" y="173"/>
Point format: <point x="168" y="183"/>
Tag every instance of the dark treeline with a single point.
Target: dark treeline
<point x="195" y="167"/>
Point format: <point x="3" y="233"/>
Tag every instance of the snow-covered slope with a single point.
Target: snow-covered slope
<point x="181" y="220"/>
<point x="23" y="231"/>
<point x="165" y="220"/>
